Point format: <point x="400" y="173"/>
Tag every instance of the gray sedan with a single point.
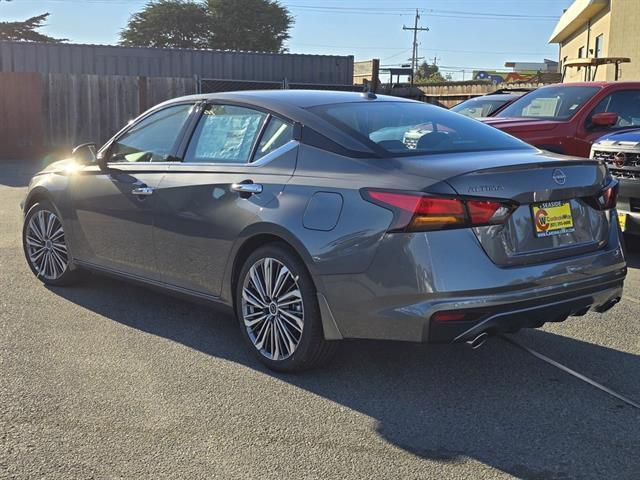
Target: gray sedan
<point x="321" y="216"/>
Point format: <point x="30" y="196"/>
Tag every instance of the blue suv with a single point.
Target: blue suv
<point x="621" y="152"/>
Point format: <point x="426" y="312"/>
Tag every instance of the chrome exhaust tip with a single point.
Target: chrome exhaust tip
<point x="478" y="341"/>
<point x="608" y="305"/>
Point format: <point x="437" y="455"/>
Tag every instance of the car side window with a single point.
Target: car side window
<point x="277" y="134"/>
<point x="225" y="134"/>
<point x="153" y="138"/>
<point x="626" y="103"/>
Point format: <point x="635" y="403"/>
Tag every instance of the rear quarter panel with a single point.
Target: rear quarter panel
<point x="348" y="242"/>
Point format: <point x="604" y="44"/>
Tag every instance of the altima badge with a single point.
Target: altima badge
<point x="559" y="177"/>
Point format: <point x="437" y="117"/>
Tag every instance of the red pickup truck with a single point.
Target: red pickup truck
<point x="567" y="118"/>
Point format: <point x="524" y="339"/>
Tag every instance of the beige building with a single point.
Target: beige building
<point x="597" y="29"/>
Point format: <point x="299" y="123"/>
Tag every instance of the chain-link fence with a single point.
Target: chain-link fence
<point x="209" y="85"/>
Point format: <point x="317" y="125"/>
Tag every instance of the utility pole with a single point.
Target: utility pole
<point x="414" y="56"/>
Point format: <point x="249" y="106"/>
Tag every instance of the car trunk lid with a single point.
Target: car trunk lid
<point x="555" y="190"/>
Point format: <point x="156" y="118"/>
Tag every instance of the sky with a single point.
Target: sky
<point x="464" y="35"/>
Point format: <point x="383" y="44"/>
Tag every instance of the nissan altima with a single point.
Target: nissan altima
<point x="321" y="216"/>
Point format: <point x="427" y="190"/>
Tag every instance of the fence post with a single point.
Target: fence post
<point x="375" y="74"/>
<point x="142" y="94"/>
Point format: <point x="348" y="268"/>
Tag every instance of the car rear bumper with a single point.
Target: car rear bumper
<point x="511" y="317"/>
<point x="412" y="278"/>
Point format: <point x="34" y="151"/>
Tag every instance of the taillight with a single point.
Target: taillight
<point x="415" y="212"/>
<point x="447" y="316"/>
<point x="608" y="198"/>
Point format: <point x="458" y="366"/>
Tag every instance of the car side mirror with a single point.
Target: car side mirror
<point x="85" y="153"/>
<point x="604" y="119"/>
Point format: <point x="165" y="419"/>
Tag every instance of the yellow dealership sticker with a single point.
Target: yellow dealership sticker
<point x="552" y="218"/>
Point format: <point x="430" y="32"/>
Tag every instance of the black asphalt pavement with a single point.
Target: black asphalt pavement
<point x="108" y="380"/>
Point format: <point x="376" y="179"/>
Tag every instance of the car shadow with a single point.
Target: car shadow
<point x="498" y="405"/>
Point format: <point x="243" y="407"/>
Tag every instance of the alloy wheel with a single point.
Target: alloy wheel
<point x="46" y="246"/>
<point x="272" y="308"/>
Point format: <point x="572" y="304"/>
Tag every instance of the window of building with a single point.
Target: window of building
<point x="599" y="46"/>
<point x="580" y="55"/>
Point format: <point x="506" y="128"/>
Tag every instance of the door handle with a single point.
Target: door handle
<point x="142" y="191"/>
<point x="247" y="188"/>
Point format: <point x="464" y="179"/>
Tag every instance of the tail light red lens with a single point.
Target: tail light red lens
<point x="482" y="212"/>
<point x="609" y="198"/>
<point x="449" y="316"/>
<point x="419" y="212"/>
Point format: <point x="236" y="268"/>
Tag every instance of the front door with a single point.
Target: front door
<point x="113" y="220"/>
<point x="235" y="166"/>
<point x="626" y="103"/>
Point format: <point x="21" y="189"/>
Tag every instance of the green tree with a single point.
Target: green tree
<point x="259" y="25"/>
<point x="427" y="73"/>
<point x="168" y="23"/>
<point x="26" y="30"/>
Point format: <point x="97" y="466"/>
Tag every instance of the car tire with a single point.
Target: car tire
<point x="277" y="309"/>
<point x="45" y="246"/>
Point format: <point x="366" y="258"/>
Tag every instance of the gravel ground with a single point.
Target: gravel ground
<point x="108" y="380"/>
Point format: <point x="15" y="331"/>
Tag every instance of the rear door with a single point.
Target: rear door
<point x="235" y="165"/>
<point x="112" y="226"/>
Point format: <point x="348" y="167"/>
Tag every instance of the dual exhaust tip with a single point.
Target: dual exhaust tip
<point x="477" y="341"/>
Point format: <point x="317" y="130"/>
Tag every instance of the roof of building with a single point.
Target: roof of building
<point x="575" y="17"/>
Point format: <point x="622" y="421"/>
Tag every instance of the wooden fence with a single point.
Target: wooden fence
<point x="451" y="93"/>
<point x="21" y="128"/>
<point x="42" y="114"/>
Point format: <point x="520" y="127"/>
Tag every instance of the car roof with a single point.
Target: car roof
<point x="274" y="99"/>
<point x="595" y="84"/>
<point x="496" y="96"/>
<point x="294" y="105"/>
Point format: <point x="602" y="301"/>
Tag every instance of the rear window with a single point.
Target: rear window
<point x="404" y="128"/>
<point x="554" y="103"/>
<point x="478" y="108"/>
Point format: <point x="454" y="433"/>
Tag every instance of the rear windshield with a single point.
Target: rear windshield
<point x="407" y="128"/>
<point x="553" y="103"/>
<point x="478" y="108"/>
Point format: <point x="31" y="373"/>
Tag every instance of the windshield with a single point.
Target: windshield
<point x="554" y="103"/>
<point x="477" y="108"/>
<point x="408" y="128"/>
